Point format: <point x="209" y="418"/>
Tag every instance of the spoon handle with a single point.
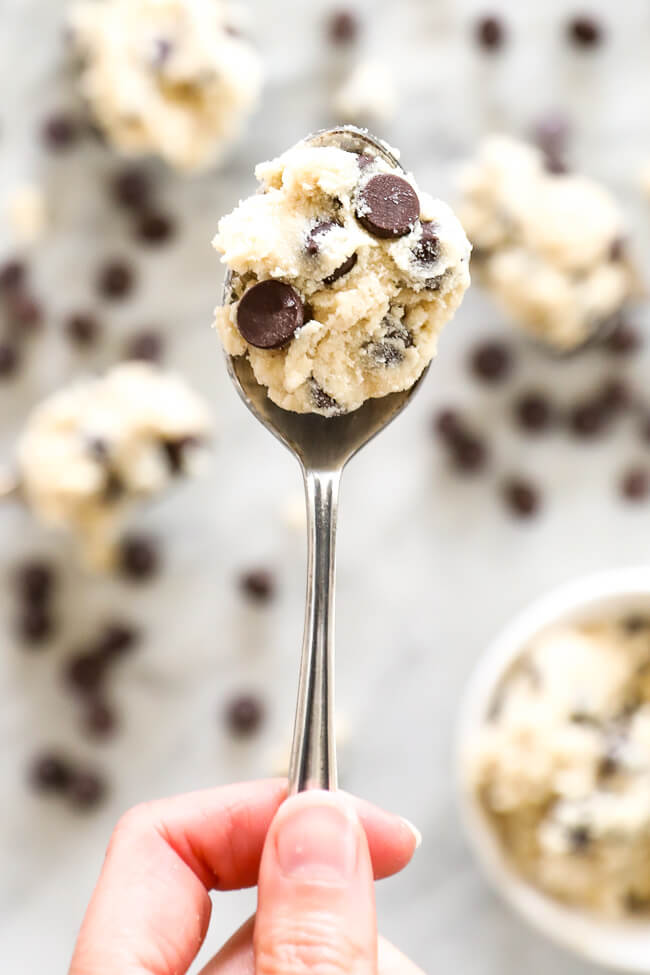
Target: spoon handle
<point x="313" y="753"/>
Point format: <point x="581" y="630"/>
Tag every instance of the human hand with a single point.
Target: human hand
<point x="313" y="857"/>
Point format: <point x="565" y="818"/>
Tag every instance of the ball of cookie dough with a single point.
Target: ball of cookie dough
<point x="550" y="247"/>
<point x="174" y="78"/>
<point x="342" y="275"/>
<point x="91" y="451"/>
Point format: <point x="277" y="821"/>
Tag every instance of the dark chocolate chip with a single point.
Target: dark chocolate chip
<point x="154" y="228"/>
<point x="60" y="132"/>
<point x="555" y="165"/>
<point x="490" y="33"/>
<point x="469" y="453"/>
<point x="343" y="27"/>
<point x="579" y="838"/>
<point x="131" y="188"/>
<point x="635" y="484"/>
<point x="9" y="360"/>
<point x="115" y="279"/>
<point x="50" y="772"/>
<point x="448" y="425"/>
<point x="551" y="134"/>
<point x="147" y="345"/>
<point x="387" y="206"/>
<point x="35" y="582"/>
<point x="82" y="329"/>
<point x="585" y="31"/>
<point x="492" y="361"/>
<point x="244" y="715"/>
<point x="312" y="245"/>
<point x="100" y="720"/>
<point x="521" y="497"/>
<point x="624" y="340"/>
<point x="588" y="419"/>
<point x="85" y="671"/>
<point x="364" y="160"/>
<point x="345" y="267"/>
<point x="617" y="250"/>
<point x="86" y="789"/>
<point x="608" y="766"/>
<point x="615" y="396"/>
<point x="12" y="275"/>
<point x="35" y="624"/>
<point x="23" y="311"/>
<point x="427" y="249"/>
<point x="534" y="412"/>
<point x="269" y="314"/>
<point x="321" y="399"/>
<point x="117" y="640"/>
<point x="162" y="49"/>
<point x="258" y="584"/>
<point x="175" y="451"/>
<point x="139" y="557"/>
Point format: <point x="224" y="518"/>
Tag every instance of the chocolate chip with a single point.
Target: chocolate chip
<point x="100" y="720"/>
<point x="35" y="624"/>
<point x="117" y="640"/>
<point x="587" y="419"/>
<point x="312" y="245"/>
<point x="23" y="311"/>
<point x="364" y="160"/>
<point x="555" y="165"/>
<point x="258" y="585"/>
<point x="521" y="497"/>
<point x="469" y="453"/>
<point x="585" y="31"/>
<point x="490" y="33"/>
<point x="635" y="623"/>
<point x="635" y="484"/>
<point x="492" y="361"/>
<point x="50" y="772"/>
<point x="624" y="340"/>
<point x="9" y="360"/>
<point x="82" y="329"/>
<point x="154" y="228"/>
<point x="114" y="488"/>
<point x="343" y="27"/>
<point x="86" y="789"/>
<point x="138" y="557"/>
<point x="579" y="838"/>
<point x="427" y="249"/>
<point x="12" y="275"/>
<point x="321" y="399"/>
<point x="244" y="715"/>
<point x="387" y="206"/>
<point x="448" y="425"/>
<point x="345" y="267"/>
<point x="148" y="346"/>
<point x="269" y="314"/>
<point x="115" y="280"/>
<point x="60" y="132"/>
<point x="608" y="766"/>
<point x="175" y="451"/>
<point x="534" y="412"/>
<point x="551" y="134"/>
<point x="35" y="582"/>
<point x="617" y="250"/>
<point x="131" y="188"/>
<point x="162" y="49"/>
<point x="615" y="396"/>
<point x="85" y="671"/>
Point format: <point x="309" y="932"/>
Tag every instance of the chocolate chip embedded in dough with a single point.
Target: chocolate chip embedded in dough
<point x="387" y="206"/>
<point x="269" y="314"/>
<point x="312" y="245"/>
<point x="427" y="249"/>
<point x="321" y="399"/>
<point x="344" y="268"/>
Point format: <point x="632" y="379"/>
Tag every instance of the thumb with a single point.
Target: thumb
<point x="316" y="902"/>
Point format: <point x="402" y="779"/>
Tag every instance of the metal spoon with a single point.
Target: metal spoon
<point x="322" y="446"/>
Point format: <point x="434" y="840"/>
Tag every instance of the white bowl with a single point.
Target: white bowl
<point x="618" y="944"/>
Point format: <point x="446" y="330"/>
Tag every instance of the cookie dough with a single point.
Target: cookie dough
<point x="368" y="94"/>
<point x="550" y="247"/>
<point x="343" y="274"/>
<point x="562" y="766"/>
<point x="92" y="450"/>
<point x="171" y="77"/>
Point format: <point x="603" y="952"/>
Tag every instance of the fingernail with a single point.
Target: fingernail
<point x="415" y="832"/>
<point x="317" y="843"/>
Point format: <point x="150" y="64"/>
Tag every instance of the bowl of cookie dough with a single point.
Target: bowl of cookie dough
<point x="553" y="763"/>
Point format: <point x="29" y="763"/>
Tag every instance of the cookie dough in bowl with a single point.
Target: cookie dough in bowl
<point x="93" y="450"/>
<point x="175" y="78"/>
<point x="550" y="247"/>
<point x="554" y="766"/>
<point x="342" y="273"/>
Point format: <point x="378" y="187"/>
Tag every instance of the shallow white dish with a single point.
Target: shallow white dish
<point x="621" y="945"/>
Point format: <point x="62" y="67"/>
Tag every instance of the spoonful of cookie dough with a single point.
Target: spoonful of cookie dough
<point x="341" y="274"/>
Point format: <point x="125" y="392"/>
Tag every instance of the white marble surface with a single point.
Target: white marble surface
<point x="430" y="565"/>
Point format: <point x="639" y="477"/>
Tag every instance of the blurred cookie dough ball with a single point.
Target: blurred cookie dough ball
<point x="93" y="450"/>
<point x="175" y="78"/>
<point x="551" y="247"/>
<point x="368" y="94"/>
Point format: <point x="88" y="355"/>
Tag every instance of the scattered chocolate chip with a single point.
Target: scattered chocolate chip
<point x="312" y="245"/>
<point x="587" y="419"/>
<point x="82" y="329"/>
<point x="244" y="715"/>
<point x="269" y="314"/>
<point x="258" y="584"/>
<point x="427" y="249"/>
<point x="492" y="361"/>
<point x="551" y="135"/>
<point x="615" y="396"/>
<point x="154" y="228"/>
<point x="35" y="582"/>
<point x="85" y="671"/>
<point x="12" y="275"/>
<point x="448" y="425"/>
<point x="148" y="345"/>
<point x="490" y="33"/>
<point x="23" y="311"/>
<point x="50" y="772"/>
<point x="139" y="557"/>
<point x="585" y="31"/>
<point x="9" y="360"/>
<point x="635" y="484"/>
<point x="343" y="27"/>
<point x="60" y="132"/>
<point x="117" y="640"/>
<point x="321" y="399"/>
<point x="131" y="188"/>
<point x="534" y="412"/>
<point x="521" y="497"/>
<point x="100" y="721"/>
<point x="35" y="624"/>
<point x="345" y="268"/>
<point x="469" y="453"/>
<point x="175" y="451"/>
<point x="580" y="838"/>
<point x="115" y="279"/>
<point x="387" y="206"/>
<point x="624" y="340"/>
<point x="86" y="789"/>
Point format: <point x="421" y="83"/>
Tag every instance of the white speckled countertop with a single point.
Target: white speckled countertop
<point x="430" y="565"/>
